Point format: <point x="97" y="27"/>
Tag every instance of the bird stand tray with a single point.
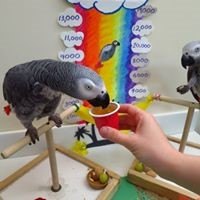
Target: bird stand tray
<point x="158" y="186"/>
<point x="70" y="185"/>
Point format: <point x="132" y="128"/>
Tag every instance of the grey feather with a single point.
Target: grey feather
<point x="191" y="59"/>
<point x="34" y="89"/>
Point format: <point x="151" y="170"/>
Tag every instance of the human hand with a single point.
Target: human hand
<point x="146" y="140"/>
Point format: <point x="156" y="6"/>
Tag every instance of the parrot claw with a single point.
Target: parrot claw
<point x="56" y="118"/>
<point x="32" y="132"/>
<point x="182" y="89"/>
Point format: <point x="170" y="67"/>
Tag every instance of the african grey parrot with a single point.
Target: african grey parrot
<point x="33" y="89"/>
<point x="191" y="59"/>
<point x="107" y="52"/>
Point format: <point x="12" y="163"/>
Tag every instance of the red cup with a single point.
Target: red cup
<point x="106" y="117"/>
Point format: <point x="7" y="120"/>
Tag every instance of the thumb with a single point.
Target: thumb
<point x="115" y="136"/>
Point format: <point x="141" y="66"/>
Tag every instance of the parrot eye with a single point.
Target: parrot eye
<point x="197" y="49"/>
<point x="88" y="87"/>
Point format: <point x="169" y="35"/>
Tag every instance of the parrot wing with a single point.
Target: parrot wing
<point x="189" y="75"/>
<point x="16" y="86"/>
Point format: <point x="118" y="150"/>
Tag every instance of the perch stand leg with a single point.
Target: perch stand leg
<point x="186" y="128"/>
<point x="52" y="160"/>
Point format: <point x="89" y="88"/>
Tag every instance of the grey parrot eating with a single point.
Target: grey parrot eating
<point x="33" y="90"/>
<point x="191" y="59"/>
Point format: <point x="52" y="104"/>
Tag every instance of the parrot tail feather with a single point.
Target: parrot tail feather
<point x="7" y="109"/>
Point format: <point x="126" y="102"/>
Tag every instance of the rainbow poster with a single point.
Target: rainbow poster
<point x="110" y="37"/>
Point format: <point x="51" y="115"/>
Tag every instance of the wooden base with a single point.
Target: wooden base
<point x="23" y="170"/>
<point x="106" y="194"/>
<point x="159" y="187"/>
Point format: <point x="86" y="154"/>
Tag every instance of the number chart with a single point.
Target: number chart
<point x="112" y="39"/>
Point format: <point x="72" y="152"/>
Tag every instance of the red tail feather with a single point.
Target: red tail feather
<point x="7" y="109"/>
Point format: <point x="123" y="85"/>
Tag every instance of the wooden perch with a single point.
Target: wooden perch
<point x="41" y="130"/>
<point x="52" y="161"/>
<point x="177" y="140"/>
<point x="176" y="101"/>
<point x="191" y="107"/>
<point x="186" y="129"/>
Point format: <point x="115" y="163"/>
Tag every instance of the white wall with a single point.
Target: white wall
<point x="28" y="30"/>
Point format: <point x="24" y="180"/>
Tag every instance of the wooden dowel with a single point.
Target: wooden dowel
<point x="52" y="160"/>
<point x="176" y="101"/>
<point x="84" y="160"/>
<point x="188" y="143"/>
<point x="21" y="171"/>
<point x="42" y="129"/>
<point x="186" y="129"/>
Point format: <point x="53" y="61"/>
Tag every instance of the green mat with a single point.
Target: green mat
<point x="128" y="191"/>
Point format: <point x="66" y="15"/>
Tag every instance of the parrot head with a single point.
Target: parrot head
<point x="116" y="43"/>
<point x="191" y="54"/>
<point x="86" y="84"/>
<point x="94" y="91"/>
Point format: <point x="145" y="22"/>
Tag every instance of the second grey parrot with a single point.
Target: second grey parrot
<point x="33" y="89"/>
<point x="191" y="59"/>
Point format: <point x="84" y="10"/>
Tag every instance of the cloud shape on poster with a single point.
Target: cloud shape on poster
<point x="70" y="18"/>
<point x="72" y="38"/>
<point x="139" y="76"/>
<point x="140" y="60"/>
<point x="141" y="45"/>
<point x="142" y="27"/>
<point x="71" y="55"/>
<point x="146" y="11"/>
<point x="139" y="91"/>
<point x="87" y="4"/>
<point x="114" y="5"/>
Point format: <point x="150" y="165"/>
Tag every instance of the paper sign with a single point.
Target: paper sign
<point x="104" y="7"/>
<point x="140" y="45"/>
<point x="139" y="60"/>
<point x="139" y="91"/>
<point x="139" y="76"/>
<point x="142" y="27"/>
<point x="70" y="18"/>
<point x="71" y="55"/>
<point x="72" y="38"/>
<point x="146" y="11"/>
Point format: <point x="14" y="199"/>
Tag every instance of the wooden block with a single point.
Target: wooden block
<point x="159" y="187"/>
<point x="109" y="191"/>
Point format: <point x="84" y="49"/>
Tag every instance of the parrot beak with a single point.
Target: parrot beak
<point x="187" y="61"/>
<point x="100" y="100"/>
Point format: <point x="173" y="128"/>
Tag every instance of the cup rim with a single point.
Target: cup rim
<point x="107" y="114"/>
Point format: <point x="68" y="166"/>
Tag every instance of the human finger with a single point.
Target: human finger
<point x="115" y="136"/>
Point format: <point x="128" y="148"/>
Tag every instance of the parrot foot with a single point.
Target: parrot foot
<point x="56" y="118"/>
<point x="182" y="89"/>
<point x="32" y="132"/>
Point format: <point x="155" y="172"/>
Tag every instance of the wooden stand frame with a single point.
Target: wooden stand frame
<point x="135" y="177"/>
<point x="105" y="194"/>
<point x="191" y="107"/>
<point x="51" y="154"/>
